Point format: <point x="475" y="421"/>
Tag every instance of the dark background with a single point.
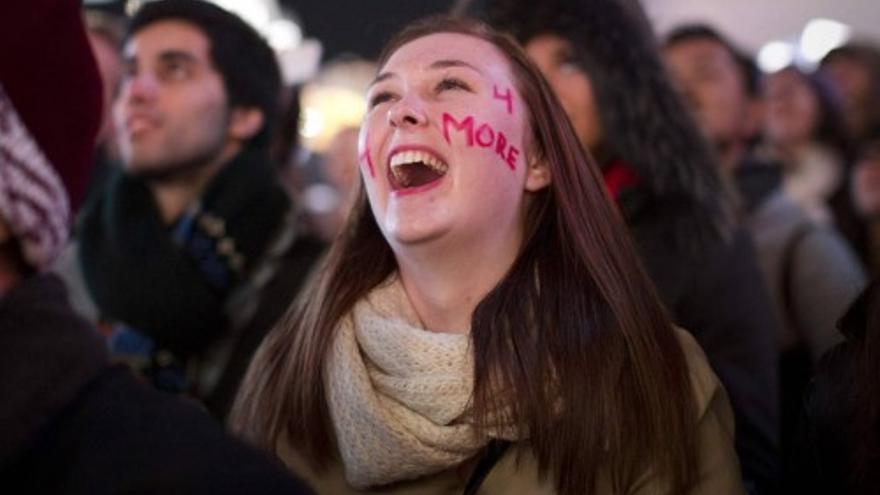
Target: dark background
<point x="359" y="27"/>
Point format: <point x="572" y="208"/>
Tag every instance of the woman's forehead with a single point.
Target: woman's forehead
<point x="426" y="51"/>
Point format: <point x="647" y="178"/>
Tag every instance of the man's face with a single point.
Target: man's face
<point x="713" y="85"/>
<point x="171" y="113"/>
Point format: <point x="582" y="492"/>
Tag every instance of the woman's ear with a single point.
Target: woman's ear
<point x="537" y="174"/>
<point x="245" y="122"/>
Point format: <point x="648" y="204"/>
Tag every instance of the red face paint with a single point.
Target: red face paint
<point x="506" y="97"/>
<point x="485" y="137"/>
<point x="512" y="155"/>
<point x="365" y="158"/>
<point x="500" y="145"/>
<point x="466" y="125"/>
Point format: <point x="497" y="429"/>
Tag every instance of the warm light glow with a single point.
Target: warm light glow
<point x="312" y="123"/>
<point x="328" y="110"/>
<point x="820" y="36"/>
<point x="776" y="55"/>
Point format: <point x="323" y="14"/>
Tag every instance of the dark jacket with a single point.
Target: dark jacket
<point x="720" y="297"/>
<point x="186" y="305"/>
<point x="70" y="424"/>
<point x="837" y="445"/>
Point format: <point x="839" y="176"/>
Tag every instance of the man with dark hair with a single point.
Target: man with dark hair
<point x="189" y="255"/>
<point x="69" y="422"/>
<point x="722" y="85"/>
<point x="812" y="274"/>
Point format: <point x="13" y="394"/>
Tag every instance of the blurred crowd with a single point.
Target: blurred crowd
<point x="170" y="147"/>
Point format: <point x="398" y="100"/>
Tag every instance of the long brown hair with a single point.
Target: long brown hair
<point x="575" y="310"/>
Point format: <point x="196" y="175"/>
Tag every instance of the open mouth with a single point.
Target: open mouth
<point x="414" y="169"/>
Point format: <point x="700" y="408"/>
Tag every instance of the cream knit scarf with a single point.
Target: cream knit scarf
<point x="398" y="394"/>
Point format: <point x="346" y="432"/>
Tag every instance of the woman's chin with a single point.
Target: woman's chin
<point x="402" y="234"/>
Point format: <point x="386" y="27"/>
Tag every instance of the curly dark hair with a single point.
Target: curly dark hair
<point x="645" y="121"/>
<point x="829" y="129"/>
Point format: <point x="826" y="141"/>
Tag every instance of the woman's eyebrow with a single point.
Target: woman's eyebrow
<point x="381" y="77"/>
<point x="436" y="65"/>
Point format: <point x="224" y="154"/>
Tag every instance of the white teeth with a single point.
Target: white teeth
<point x="428" y="159"/>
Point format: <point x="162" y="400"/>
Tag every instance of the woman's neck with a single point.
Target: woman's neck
<point x="445" y="283"/>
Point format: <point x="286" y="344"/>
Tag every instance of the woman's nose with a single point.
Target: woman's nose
<point x="406" y="113"/>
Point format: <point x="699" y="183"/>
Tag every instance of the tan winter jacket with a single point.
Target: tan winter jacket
<point x="719" y="472"/>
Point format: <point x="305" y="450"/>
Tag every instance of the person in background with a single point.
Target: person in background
<point x="69" y="423"/>
<point x="602" y="62"/>
<point x="332" y="198"/>
<point x="805" y="132"/>
<point x="483" y="324"/>
<point x="854" y="69"/>
<point x="105" y="32"/>
<point x="812" y="273"/>
<point x="336" y="91"/>
<point x="189" y="256"/>
<point x="866" y="198"/>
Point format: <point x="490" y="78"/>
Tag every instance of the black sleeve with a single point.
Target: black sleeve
<point x="823" y="445"/>
<point x="728" y="309"/>
<point x="120" y="436"/>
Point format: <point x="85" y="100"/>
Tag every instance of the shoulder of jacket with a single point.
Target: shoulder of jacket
<point x="704" y="382"/>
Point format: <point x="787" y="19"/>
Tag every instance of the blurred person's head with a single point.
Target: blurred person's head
<point x="106" y="32"/>
<point x="802" y="108"/>
<point x="720" y="83"/>
<point x="560" y="65"/>
<point x="866" y="179"/>
<point x="601" y="59"/>
<point x="339" y="164"/>
<point x="855" y="70"/>
<point x="199" y="85"/>
<point x="329" y="202"/>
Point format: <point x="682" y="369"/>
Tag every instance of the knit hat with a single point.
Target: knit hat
<point x="50" y="109"/>
<point x="33" y="201"/>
